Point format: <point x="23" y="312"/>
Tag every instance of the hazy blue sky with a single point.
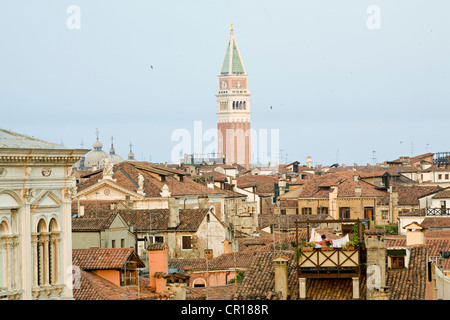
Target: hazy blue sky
<point x="338" y="90"/>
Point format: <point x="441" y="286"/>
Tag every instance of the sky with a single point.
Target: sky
<point x="346" y="84"/>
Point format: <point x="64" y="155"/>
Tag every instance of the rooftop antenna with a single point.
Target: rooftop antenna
<point x="412" y="149"/>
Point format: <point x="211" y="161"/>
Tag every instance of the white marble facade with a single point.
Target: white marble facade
<point x="35" y="218"/>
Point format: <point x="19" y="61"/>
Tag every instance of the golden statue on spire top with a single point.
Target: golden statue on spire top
<point x="231" y="26"/>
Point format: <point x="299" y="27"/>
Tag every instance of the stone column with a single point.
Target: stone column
<point x="7" y="246"/>
<point x="34" y="245"/>
<point x="3" y="263"/>
<point x="15" y="244"/>
<point x="55" y="240"/>
<point x="45" y="241"/>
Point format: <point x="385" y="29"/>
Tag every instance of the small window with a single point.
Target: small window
<point x="159" y="239"/>
<point x="384" y="214"/>
<point x="322" y="210"/>
<point x="344" y="213"/>
<point x="113" y="243"/>
<point x="397" y="262"/>
<point x="283" y="211"/>
<point x="186" y="242"/>
<point x="307" y="210"/>
<point x="122" y="243"/>
<point x="439" y="176"/>
<point x="446" y="176"/>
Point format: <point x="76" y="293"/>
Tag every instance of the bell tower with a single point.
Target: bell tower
<point x="233" y="108"/>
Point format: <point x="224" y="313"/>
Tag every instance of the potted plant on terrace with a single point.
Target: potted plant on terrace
<point x="303" y="246"/>
<point x="327" y="246"/>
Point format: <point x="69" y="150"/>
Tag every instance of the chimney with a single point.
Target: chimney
<point x="355" y="178"/>
<point x="415" y="234"/>
<point x="358" y="191"/>
<point x="282" y="185"/>
<point x="177" y="284"/>
<point x="173" y="223"/>
<point x="157" y="265"/>
<point x="174" y="213"/>
<point x="226" y="246"/>
<point x="81" y="212"/>
<point x="281" y="275"/>
<point x="208" y="254"/>
<point x="332" y="203"/>
<point x="376" y="264"/>
<point x="203" y="202"/>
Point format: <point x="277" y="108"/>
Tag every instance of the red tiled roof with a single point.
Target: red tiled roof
<point x="409" y="195"/>
<point x="414" y="213"/>
<point x="181" y="264"/>
<point x="104" y="258"/>
<point x="435" y="242"/>
<point x="93" y="224"/>
<point x="288" y="221"/>
<point x="436" y="222"/>
<point x="126" y="176"/>
<point x="265" y="184"/>
<point x="94" y="287"/>
<point x="231" y="260"/>
<point x="259" y="282"/>
<point x="410" y="283"/>
<point x="318" y="187"/>
<point x="444" y="194"/>
<point x="154" y="219"/>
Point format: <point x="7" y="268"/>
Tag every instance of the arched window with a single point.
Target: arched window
<point x="41" y="254"/>
<point x="199" y="283"/>
<point x="245" y="106"/>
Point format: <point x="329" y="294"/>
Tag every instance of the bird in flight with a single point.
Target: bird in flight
<point x="151" y="67"/>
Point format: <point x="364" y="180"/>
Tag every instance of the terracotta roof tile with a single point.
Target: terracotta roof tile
<point x="104" y="258"/>
<point x="436" y="222"/>
<point x="409" y="284"/>
<point x="265" y="184"/>
<point x="93" y="224"/>
<point x="126" y="175"/>
<point x="409" y="195"/>
<point x="153" y="219"/>
<point x="94" y="287"/>
<point x="319" y="187"/>
<point x="259" y="282"/>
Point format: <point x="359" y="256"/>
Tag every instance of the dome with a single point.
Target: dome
<point x="97" y="145"/>
<point x="131" y="154"/>
<point x="95" y="158"/>
<point x="115" y="158"/>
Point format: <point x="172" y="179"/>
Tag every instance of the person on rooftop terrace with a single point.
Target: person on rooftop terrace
<point x="324" y="241"/>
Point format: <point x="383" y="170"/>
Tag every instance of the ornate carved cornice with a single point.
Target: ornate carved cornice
<point x="7" y="158"/>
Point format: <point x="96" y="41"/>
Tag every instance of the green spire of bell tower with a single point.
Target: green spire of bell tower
<point x="232" y="62"/>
